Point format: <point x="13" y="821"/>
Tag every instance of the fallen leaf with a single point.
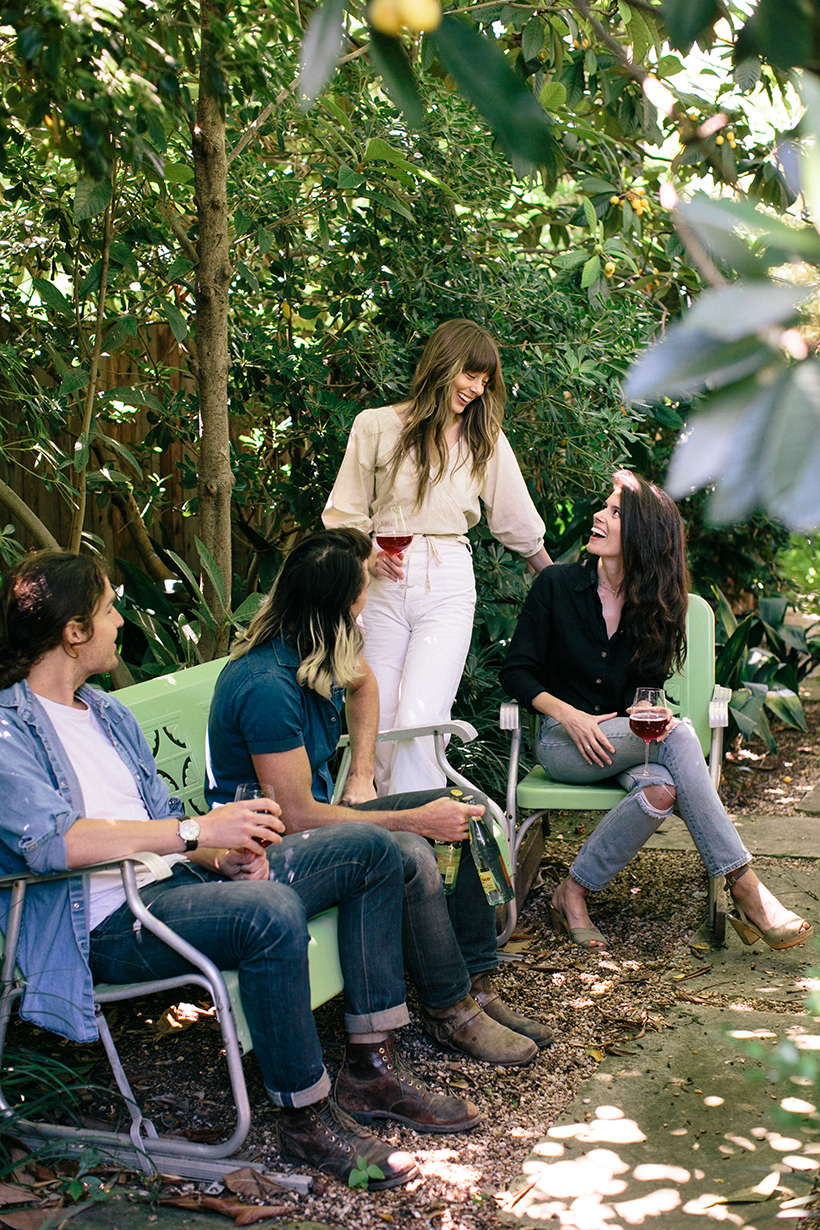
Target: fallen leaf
<point x="25" y="1219"/>
<point x="251" y="1183"/>
<point x="751" y="1195"/>
<point x="255" y="1212"/>
<point x="10" y="1194"/>
<point x="595" y="1054"/>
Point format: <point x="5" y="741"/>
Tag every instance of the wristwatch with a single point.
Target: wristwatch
<point x="189" y="831"/>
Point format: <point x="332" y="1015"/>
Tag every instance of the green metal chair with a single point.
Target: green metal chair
<point x="691" y="693"/>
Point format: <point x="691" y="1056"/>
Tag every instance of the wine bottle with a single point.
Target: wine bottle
<point x="492" y="870"/>
<point x="448" y="856"/>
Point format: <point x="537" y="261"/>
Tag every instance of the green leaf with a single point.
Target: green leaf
<point x="123" y="255"/>
<point x="725" y="612"/>
<point x="178" y="323"/>
<point x="192" y="585"/>
<point x="121" y="450"/>
<point x="669" y="66"/>
<point x="91" y="197"/>
<point x="591" y="272"/>
<point x="732" y="311"/>
<point x="321" y="49"/>
<point x="247" y="276"/>
<point x="687" y="360"/>
<point x="487" y="81"/>
<point x="791" y="451"/>
<point x="590" y="214"/>
<point x="377" y="147"/>
<point x="178" y="173"/>
<point x="571" y="260"/>
<point x="642" y="37"/>
<point x="52" y="297"/>
<point x="532" y="38"/>
<point x="120" y="332"/>
<point x="748" y="73"/>
<point x="595" y="186"/>
<point x="390" y="61"/>
<point x="75" y="378"/>
<point x="179" y="268"/>
<point x="248" y="608"/>
<point x="211" y="570"/>
<point x="130" y="396"/>
<point x="553" y="95"/>
<point x="348" y="178"/>
<point x="786" y="706"/>
<point x="686" y="19"/>
<point x="809" y="88"/>
<point x="390" y="202"/>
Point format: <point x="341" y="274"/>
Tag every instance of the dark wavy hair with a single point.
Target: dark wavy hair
<point x="43" y="592"/>
<point x="456" y="346"/>
<point x="656" y="576"/>
<point x="309" y="606"/>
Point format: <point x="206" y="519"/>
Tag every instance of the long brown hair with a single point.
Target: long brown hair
<point x="43" y="592"/>
<point x="656" y="577"/>
<point x="456" y="346"/>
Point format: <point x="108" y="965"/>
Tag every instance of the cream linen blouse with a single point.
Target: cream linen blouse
<point x="450" y="508"/>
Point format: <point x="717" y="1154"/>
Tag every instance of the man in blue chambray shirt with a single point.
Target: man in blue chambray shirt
<point x="80" y="786"/>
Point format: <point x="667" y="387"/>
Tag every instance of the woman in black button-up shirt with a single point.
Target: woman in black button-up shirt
<point x="590" y="633"/>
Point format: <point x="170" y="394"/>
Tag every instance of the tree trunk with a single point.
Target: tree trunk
<point x="212" y="284"/>
<point x="27" y="519"/>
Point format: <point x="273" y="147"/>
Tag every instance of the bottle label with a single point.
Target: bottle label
<point x="488" y="882"/>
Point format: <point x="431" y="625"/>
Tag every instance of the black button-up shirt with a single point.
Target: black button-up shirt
<point x="561" y="645"/>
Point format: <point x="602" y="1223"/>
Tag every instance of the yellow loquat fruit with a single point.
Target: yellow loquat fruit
<point x="609" y="269"/>
<point x="419" y="15"/>
<point x="385" y="16"/>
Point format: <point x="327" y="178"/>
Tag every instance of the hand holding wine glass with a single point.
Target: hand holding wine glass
<point x="255" y="790"/>
<point x="392" y="535"/>
<point x="648" y="719"/>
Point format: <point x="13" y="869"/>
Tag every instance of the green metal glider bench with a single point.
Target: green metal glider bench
<point x="691" y="693"/>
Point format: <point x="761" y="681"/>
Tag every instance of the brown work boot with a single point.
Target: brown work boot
<point x="324" y="1137"/>
<point x="375" y="1083"/>
<point x="465" y="1027"/>
<point x="485" y="993"/>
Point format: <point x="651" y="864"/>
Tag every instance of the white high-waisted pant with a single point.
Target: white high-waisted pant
<point x="416" y="641"/>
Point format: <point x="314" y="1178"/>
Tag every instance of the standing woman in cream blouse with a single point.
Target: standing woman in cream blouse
<point x="437" y="455"/>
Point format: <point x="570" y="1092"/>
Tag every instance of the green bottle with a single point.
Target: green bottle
<point x="492" y="870"/>
<point x="448" y="856"/>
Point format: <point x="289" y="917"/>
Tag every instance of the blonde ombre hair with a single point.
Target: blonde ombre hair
<point x="309" y="607"/>
<point x="456" y="346"/>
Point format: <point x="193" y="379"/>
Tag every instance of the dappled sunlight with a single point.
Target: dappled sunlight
<point x="590" y="1175"/>
<point x="444" y="1165"/>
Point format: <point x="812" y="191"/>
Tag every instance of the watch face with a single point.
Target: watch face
<point x="188" y="830"/>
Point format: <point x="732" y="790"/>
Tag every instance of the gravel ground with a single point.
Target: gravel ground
<point x="594" y="1002"/>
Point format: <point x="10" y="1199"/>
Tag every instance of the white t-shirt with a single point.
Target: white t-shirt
<point x="109" y="792"/>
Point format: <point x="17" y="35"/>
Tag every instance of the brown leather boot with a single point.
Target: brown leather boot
<point x="485" y="993"/>
<point x="325" y="1138"/>
<point x="465" y="1027"/>
<point x="375" y="1083"/>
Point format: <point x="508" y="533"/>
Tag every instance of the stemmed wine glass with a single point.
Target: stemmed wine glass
<point x="391" y="531"/>
<point x="255" y="790"/>
<point x="648" y="719"/>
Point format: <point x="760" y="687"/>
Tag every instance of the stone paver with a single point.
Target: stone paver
<point x="664" y="1135"/>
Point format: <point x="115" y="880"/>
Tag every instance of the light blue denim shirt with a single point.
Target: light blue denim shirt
<point x="40" y="798"/>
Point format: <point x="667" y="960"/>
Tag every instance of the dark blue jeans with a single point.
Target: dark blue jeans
<point x="445" y="939"/>
<point x="260" y="928"/>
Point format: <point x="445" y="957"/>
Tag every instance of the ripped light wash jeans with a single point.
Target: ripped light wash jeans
<point x="677" y="761"/>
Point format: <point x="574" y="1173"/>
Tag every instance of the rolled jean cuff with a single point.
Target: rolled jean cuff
<point x="373" y="1022"/>
<point x="591" y="888"/>
<point x="303" y="1097"/>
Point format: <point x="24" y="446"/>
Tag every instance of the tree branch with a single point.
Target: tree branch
<point x="176" y="226"/>
<point x="635" y="71"/>
<point x="27" y="519"/>
<point x="264" y="115"/>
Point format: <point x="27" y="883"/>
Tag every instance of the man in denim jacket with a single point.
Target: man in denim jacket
<point x="70" y="754"/>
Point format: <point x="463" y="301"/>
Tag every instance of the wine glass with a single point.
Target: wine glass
<point x="255" y="790"/>
<point x="648" y="719"/>
<point x="391" y="531"/>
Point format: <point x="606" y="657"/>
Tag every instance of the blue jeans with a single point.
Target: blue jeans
<point x="445" y="939"/>
<point x="260" y="928"/>
<point x="677" y="761"/>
